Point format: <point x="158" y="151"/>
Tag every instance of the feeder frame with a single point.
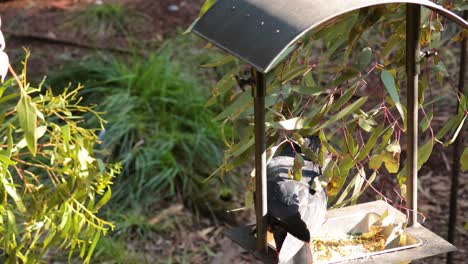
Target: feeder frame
<point x="263" y="32"/>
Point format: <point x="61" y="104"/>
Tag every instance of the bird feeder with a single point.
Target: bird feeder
<point x="262" y="33"/>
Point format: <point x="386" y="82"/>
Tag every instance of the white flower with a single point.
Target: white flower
<point x="4" y="61"/>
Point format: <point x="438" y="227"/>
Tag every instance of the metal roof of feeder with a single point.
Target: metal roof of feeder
<point x="261" y="31"/>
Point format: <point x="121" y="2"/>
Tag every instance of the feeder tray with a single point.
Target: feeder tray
<point x="424" y="243"/>
<point x="262" y="33"/>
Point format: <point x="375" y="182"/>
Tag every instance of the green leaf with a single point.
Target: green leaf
<point x="309" y="80"/>
<point x="354" y="198"/>
<point x="324" y="142"/>
<point x="391" y="162"/>
<point x="226" y="59"/>
<point x="424" y="152"/>
<point x="364" y="58"/>
<point x="389" y="83"/>
<point x="457" y="131"/>
<point x="375" y="162"/>
<point x="11" y="190"/>
<point x="6" y="161"/>
<point x="426" y="121"/>
<point x="384" y="142"/>
<point x="26" y="110"/>
<point x="394" y="148"/>
<point x="206" y="6"/>
<point x="66" y="136"/>
<point x="365" y="124"/>
<point x="346" y="75"/>
<point x="238" y="106"/>
<point x="391" y="42"/>
<point x="97" y="235"/>
<point x="344" y="98"/>
<point x="297" y="167"/>
<point x="49" y="238"/>
<point x="290" y="124"/>
<point x="242" y="146"/>
<point x="346" y="191"/>
<point x="350" y="144"/>
<point x="293" y="73"/>
<point x="348" y="110"/>
<point x="307" y="90"/>
<point x="455" y="122"/>
<point x="105" y="198"/>
<point x="370" y="142"/>
<point x="340" y="174"/>
<point x="464" y="160"/>
<point x="441" y="69"/>
<point x="222" y="86"/>
<point x="8" y="97"/>
<point x="447" y="126"/>
<point x="361" y="175"/>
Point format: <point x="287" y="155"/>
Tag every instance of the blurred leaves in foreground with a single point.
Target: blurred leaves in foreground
<point x="52" y="185"/>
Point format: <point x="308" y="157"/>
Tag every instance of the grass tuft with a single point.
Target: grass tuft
<point x="157" y="127"/>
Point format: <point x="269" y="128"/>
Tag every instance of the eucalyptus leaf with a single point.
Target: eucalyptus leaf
<point x="464" y="160"/>
<point x="295" y="123"/>
<point x="297" y="167"/>
<point x="389" y="83"/>
<point x="375" y="162"/>
<point x="307" y="90"/>
<point x="240" y="104"/>
<point x="206" y="6"/>
<point x="361" y="176"/>
<point x="426" y="121"/>
<point x="11" y="190"/>
<point x="293" y="73"/>
<point x="457" y="131"/>
<point x="28" y="121"/>
<point x="104" y="199"/>
<point x="365" y="125"/>
<point x="344" y="98"/>
<point x="343" y="113"/>
<point x="225" y="60"/>
<point x="391" y="162"/>
<point x="424" y="152"/>
<point x="365" y="58"/>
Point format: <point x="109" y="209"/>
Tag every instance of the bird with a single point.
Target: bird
<point x="296" y="209"/>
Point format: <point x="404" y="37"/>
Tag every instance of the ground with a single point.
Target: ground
<point x="39" y="26"/>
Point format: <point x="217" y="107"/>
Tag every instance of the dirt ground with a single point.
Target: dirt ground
<point x="38" y="25"/>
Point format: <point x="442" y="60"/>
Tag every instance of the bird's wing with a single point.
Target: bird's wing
<point x="314" y="211"/>
<point x="284" y="196"/>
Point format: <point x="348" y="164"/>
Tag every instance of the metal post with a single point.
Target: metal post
<point x="413" y="17"/>
<point x="260" y="161"/>
<point x="457" y="149"/>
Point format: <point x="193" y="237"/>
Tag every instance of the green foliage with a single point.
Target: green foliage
<point x="52" y="185"/>
<point x="113" y="250"/>
<point x="157" y="126"/>
<point x="307" y="96"/>
<point x="464" y="160"/>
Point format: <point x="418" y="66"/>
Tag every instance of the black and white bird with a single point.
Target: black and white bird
<point x="296" y="209"/>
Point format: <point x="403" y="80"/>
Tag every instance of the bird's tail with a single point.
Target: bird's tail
<point x="294" y="251"/>
<point x="297" y="236"/>
<point x="297" y="227"/>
